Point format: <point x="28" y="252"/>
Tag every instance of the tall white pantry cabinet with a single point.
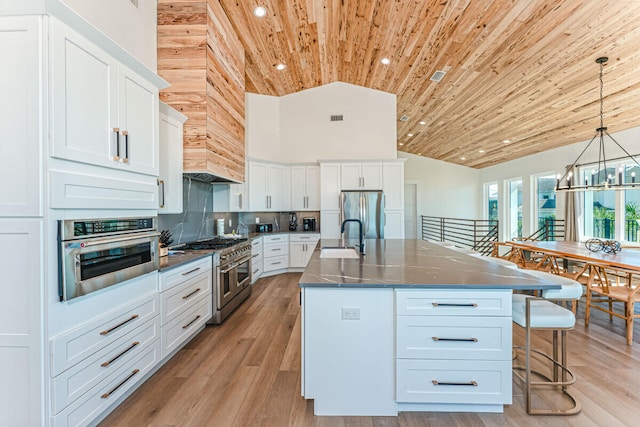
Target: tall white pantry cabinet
<point x="54" y="172"/>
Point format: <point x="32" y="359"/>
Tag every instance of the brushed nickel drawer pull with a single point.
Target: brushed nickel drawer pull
<point x="276" y="249"/>
<point x="125" y="351"/>
<point x="191" y="323"/>
<point x="107" y="395"/>
<point x="455" y="339"/>
<point x="119" y="325"/>
<point x="190" y="271"/>
<point x="276" y="263"/>
<point x="440" y="304"/>
<point x="191" y="294"/>
<point x="470" y="383"/>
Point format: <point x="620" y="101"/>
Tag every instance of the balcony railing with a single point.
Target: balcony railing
<point x="605" y="228"/>
<point x="476" y="234"/>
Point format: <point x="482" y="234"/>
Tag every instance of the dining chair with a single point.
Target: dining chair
<point x="543" y="313"/>
<point x="606" y="286"/>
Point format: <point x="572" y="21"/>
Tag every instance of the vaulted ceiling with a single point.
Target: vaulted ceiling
<point x="516" y="70"/>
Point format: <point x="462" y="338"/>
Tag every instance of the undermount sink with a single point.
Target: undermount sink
<point x="339" y="253"/>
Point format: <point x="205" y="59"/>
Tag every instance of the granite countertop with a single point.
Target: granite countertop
<point x="176" y="260"/>
<point x="413" y="264"/>
<point x="254" y="235"/>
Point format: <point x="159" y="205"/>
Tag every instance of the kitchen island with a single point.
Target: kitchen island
<point x="409" y="326"/>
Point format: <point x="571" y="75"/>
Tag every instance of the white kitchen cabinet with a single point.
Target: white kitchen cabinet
<point x="104" y="114"/>
<point x="269" y="187"/>
<point x="394" y="224"/>
<point x="361" y="176"/>
<point x="305" y="188"/>
<point x="256" y="258"/>
<point x="275" y="255"/>
<point x="329" y="186"/>
<point x="301" y="247"/>
<point x="20" y="109"/>
<point x="230" y="197"/>
<point x="170" y="179"/>
<point x="393" y="184"/>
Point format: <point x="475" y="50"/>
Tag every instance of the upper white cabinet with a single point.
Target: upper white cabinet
<point x="269" y="186"/>
<point x="361" y="176"/>
<point x="230" y="197"/>
<point x="170" y="180"/>
<point x="305" y="188"/>
<point x="104" y="114"/>
<point x="329" y="186"/>
<point x="393" y="184"/>
<point x="20" y="109"/>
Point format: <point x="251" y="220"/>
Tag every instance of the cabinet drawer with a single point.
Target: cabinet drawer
<point x="256" y="270"/>
<point x="304" y="238"/>
<point x="178" y="275"/>
<point x="276" y="249"/>
<point x="453" y="303"/>
<point x="256" y="243"/>
<point x="78" y="344"/>
<point x="179" y="329"/>
<point x="185" y="295"/>
<point x="275" y="263"/>
<point x="457" y="381"/>
<point x="96" y="400"/>
<point x="74" y="382"/>
<point x="276" y="238"/>
<point x="454" y="337"/>
<point x="256" y="253"/>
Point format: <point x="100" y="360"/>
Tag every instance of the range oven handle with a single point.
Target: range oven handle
<point x="226" y="270"/>
<point x="121" y="238"/>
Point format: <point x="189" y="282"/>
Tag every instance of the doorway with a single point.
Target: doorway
<point x="411" y="211"/>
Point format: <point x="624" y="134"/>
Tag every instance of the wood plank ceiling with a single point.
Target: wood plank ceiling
<point x="517" y="70"/>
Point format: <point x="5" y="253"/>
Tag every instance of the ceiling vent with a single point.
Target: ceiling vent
<point x="404" y="118"/>
<point x="337" y="117"/>
<point x="437" y="76"/>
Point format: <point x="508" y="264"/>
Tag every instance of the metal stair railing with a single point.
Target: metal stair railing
<point x="476" y="234"/>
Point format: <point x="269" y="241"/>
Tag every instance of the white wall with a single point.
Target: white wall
<point x="445" y="189"/>
<point x="306" y="133"/>
<point x="134" y="29"/>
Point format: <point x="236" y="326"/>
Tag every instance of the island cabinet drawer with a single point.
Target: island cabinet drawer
<point x="453" y="338"/>
<point x="186" y="294"/>
<point x="275" y="263"/>
<point x="178" y="275"/>
<point x="453" y="303"/>
<point x="276" y="249"/>
<point x="74" y="382"/>
<point x="84" y="410"/>
<point x="76" y="345"/>
<point x="453" y="381"/>
<point x="184" y="325"/>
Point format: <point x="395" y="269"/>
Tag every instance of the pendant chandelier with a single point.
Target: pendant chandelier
<point x="600" y="178"/>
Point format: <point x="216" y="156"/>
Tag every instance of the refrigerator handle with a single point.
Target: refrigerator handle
<point x="341" y="216"/>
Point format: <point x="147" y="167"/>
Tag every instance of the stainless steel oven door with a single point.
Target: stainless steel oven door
<point x="227" y="279"/>
<point x="93" y="264"/>
<point x="243" y="272"/>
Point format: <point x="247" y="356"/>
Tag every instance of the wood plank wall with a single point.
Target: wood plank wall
<point x="202" y="58"/>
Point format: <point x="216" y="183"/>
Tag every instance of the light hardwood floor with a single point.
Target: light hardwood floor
<point x="246" y="372"/>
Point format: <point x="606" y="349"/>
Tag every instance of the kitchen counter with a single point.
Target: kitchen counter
<point x="412" y="264"/>
<point x="254" y="235"/>
<point x="172" y="261"/>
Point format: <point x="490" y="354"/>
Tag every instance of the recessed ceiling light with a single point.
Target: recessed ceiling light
<point x="409" y="134"/>
<point x="401" y="144"/>
<point x="506" y="141"/>
<point x="260" y="11"/>
<point x="385" y="61"/>
<point x="463" y="158"/>
<point x="423" y="123"/>
<point x="419" y="154"/>
<point x="480" y="151"/>
<point x="280" y="67"/>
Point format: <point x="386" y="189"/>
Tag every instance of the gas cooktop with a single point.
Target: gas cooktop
<point x="213" y="244"/>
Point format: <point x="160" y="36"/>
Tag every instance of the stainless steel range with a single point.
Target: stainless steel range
<point x="232" y="277"/>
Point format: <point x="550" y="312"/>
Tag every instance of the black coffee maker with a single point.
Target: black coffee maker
<point x="293" y="222"/>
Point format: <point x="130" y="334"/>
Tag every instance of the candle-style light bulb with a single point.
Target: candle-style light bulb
<point x="620" y="169"/>
<point x="593" y="176"/>
<point x="609" y="178"/>
<point x="633" y="177"/>
<point x="569" y="175"/>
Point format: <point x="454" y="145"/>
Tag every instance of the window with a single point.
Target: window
<point x="491" y="196"/>
<point x="514" y="215"/>
<point x="545" y="203"/>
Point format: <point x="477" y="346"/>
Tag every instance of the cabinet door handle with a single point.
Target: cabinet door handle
<point x="186" y="273"/>
<point x="122" y="353"/>
<point x="191" y="323"/>
<point x="440" y="304"/>
<point x="240" y="201"/>
<point x="113" y="390"/>
<point x="191" y="294"/>
<point x="117" y="132"/>
<point x="470" y="383"/>
<point x="161" y="185"/>
<point x="119" y="325"/>
<point x="455" y="339"/>
<point x="126" y="146"/>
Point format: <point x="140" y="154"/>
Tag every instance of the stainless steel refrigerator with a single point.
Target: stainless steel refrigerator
<point x="368" y="207"/>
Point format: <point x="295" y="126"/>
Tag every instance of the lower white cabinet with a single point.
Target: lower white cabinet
<point x="301" y="247"/>
<point x="394" y="224"/>
<point x="185" y="302"/>
<point x="453" y="348"/>
<point x="275" y="253"/>
<point x="256" y="258"/>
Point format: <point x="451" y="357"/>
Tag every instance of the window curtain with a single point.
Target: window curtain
<point x="574" y="203"/>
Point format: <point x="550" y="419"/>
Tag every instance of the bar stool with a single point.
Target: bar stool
<point x="534" y="313"/>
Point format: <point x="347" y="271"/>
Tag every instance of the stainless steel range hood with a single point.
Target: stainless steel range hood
<point x="207" y="177"/>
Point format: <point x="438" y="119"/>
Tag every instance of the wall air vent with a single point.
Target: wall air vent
<point x="404" y="118"/>
<point x="337" y="117"/>
<point x="437" y="76"/>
